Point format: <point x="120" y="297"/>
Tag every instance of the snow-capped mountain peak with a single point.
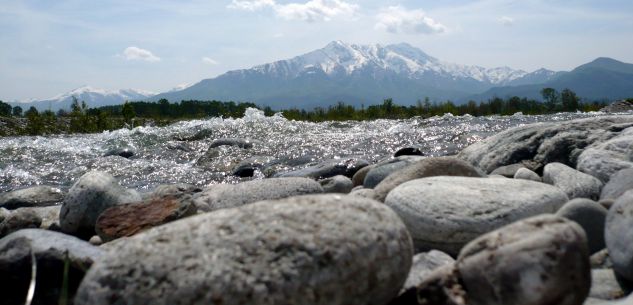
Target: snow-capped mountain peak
<point x="94" y="97"/>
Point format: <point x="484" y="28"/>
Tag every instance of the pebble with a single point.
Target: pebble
<point x="574" y="183"/>
<point x="526" y="174"/>
<point x="336" y="184"/>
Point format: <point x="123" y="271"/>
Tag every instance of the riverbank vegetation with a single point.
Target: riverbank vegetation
<point x="82" y="119"/>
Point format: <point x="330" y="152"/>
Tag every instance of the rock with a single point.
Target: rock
<point x="125" y="152"/>
<point x="247" y="168"/>
<point x="132" y="218"/>
<point x="604" y="159"/>
<point x="591" y="216"/>
<point x="508" y="171"/>
<point x="618" y="235"/>
<point x="359" y="177"/>
<point x="544" y="143"/>
<point x="408" y="151"/>
<point x="4" y="213"/>
<point x="574" y="183"/>
<point x="423" y="265"/>
<point x="93" y="193"/>
<point x="539" y="260"/>
<point x="441" y="166"/>
<point x="95" y="240"/>
<point x="526" y="174"/>
<point x="199" y="135"/>
<point x="606" y="203"/>
<point x="175" y="189"/>
<point x="619" y="183"/>
<point x="48" y="215"/>
<point x="239" y="142"/>
<point x="37" y="196"/>
<point x="324" y="249"/>
<point x="606" y="286"/>
<point x="50" y="250"/>
<point x="327" y="169"/>
<point x="336" y="184"/>
<point x="232" y="195"/>
<point x="18" y="220"/>
<point x="383" y="169"/>
<point x="366" y="193"/>
<point x="619" y="106"/>
<point x="445" y="213"/>
<point x="601" y="260"/>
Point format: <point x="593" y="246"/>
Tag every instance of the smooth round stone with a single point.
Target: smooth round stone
<point x="526" y="174"/>
<point x="37" y="196"/>
<point x="383" y="169"/>
<point x="574" y="183"/>
<point x="508" y="171"/>
<point x="605" y="159"/>
<point x="336" y="184"/>
<point x="52" y="250"/>
<point x="619" y="234"/>
<point x="239" y="142"/>
<point x="445" y="213"/>
<point x="440" y="166"/>
<point x="321" y="249"/>
<point x="18" y="220"/>
<point x="93" y="193"/>
<point x="591" y="216"/>
<point x="222" y="196"/>
<point x="330" y="168"/>
<point x="359" y="176"/>
<point x="618" y="184"/>
<point x="363" y="192"/>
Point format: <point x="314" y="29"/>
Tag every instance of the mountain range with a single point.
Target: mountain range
<point x="366" y="74"/>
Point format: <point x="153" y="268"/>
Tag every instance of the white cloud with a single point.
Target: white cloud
<point x="251" y="5"/>
<point x="506" y="21"/>
<point x="396" y="19"/>
<point x="311" y="11"/>
<point x="135" y="53"/>
<point x="209" y="61"/>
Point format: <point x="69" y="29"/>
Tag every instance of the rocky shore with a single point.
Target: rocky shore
<point x="537" y="214"/>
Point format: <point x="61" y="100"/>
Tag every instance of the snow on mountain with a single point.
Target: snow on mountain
<point x="94" y="97"/>
<point x="341" y="58"/>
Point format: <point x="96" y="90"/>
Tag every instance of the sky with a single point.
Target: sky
<point x="52" y="47"/>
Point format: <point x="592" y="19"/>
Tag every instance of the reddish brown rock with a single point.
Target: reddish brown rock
<point x="131" y="218"/>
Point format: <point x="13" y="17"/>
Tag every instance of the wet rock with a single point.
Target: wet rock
<point x="574" y="183"/>
<point x="605" y="159"/>
<point x="92" y="194"/>
<point x="36" y="196"/>
<point x="441" y="166"/>
<point x="618" y="184"/>
<point x="247" y="168"/>
<point x="232" y="195"/>
<point x="336" y="184"/>
<point x="385" y="168"/>
<point x="423" y="264"/>
<point x="327" y="169"/>
<point x="618" y="235"/>
<point x="239" y="142"/>
<point x="591" y="216"/>
<point x="508" y="171"/>
<point x="132" y="218"/>
<point x="51" y="250"/>
<point x="526" y="174"/>
<point x="539" y="260"/>
<point x="199" y="135"/>
<point x="327" y="249"/>
<point x="408" y="151"/>
<point x="445" y="213"/>
<point x="544" y="143"/>
<point x="175" y="189"/>
<point x="125" y="152"/>
<point x="18" y="220"/>
<point x="606" y="286"/>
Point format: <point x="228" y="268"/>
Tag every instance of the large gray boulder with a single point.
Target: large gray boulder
<point x="320" y="249"/>
<point x="591" y="216"/>
<point x="543" y="143"/>
<point x="539" y="260"/>
<point x="445" y="213"/>
<point x="385" y="168"/>
<point x="94" y="192"/>
<point x="574" y="183"/>
<point x="440" y="166"/>
<point x="222" y="196"/>
<point x="619" y="234"/>
<point x="36" y="196"/>
<point x="619" y="183"/>
<point x="51" y="250"/>
<point x="607" y="158"/>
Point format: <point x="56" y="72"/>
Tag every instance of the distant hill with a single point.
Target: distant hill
<point x="601" y="79"/>
<point x="92" y="96"/>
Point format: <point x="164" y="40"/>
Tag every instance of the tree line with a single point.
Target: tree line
<point x="81" y="119"/>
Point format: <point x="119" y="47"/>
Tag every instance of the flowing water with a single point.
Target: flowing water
<point x="162" y="157"/>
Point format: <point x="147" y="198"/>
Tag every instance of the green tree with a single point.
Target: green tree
<point x="5" y="109"/>
<point x="34" y="124"/>
<point x="551" y="98"/>
<point x="569" y="100"/>
<point x="128" y="112"/>
<point x="17" y="111"/>
<point x="77" y="116"/>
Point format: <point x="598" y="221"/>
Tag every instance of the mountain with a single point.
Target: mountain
<point x="601" y="79"/>
<point x="92" y="96"/>
<point x="356" y="74"/>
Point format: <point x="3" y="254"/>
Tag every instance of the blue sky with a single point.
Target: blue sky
<point x="51" y="47"/>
